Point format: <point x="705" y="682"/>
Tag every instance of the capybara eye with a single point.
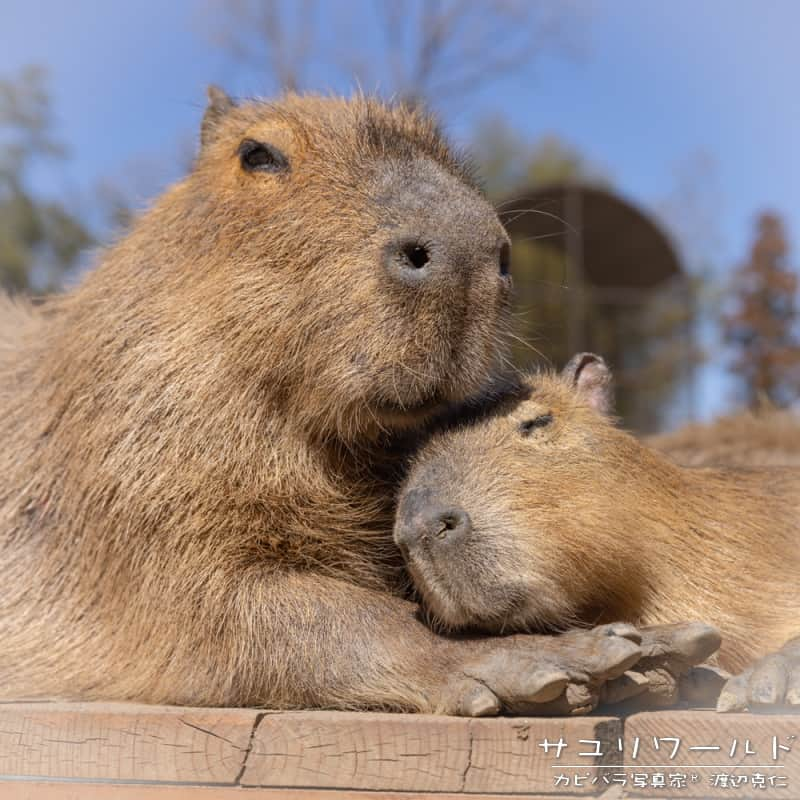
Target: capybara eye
<point x="416" y="254"/>
<point x="505" y="259"/>
<point x="526" y="427"/>
<point x="260" y="157"/>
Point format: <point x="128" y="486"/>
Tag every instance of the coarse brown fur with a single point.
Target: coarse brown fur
<point x="768" y="437"/>
<point x="198" y="440"/>
<point x="572" y="520"/>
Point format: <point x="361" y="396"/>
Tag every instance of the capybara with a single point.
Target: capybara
<point x="768" y="437"/>
<point x="544" y="513"/>
<point x="201" y="440"/>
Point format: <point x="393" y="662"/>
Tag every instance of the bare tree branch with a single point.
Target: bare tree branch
<point x="434" y="51"/>
<point x="265" y="35"/>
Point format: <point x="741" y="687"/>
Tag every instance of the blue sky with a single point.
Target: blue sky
<point x="655" y="85"/>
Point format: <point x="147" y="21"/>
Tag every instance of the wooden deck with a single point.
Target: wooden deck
<point x="119" y="751"/>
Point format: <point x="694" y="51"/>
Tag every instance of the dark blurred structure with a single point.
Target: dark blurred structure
<point x="762" y="328"/>
<point x="593" y="272"/>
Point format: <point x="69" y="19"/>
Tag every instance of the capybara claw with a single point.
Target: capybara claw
<point x="685" y="643"/>
<point x="548" y="684"/>
<point x="733" y="696"/>
<point x="615" y="656"/>
<point x="622" y="629"/>
<point x="629" y="684"/>
<point x="773" y="682"/>
<point x="479" y="701"/>
<point x="696" y="641"/>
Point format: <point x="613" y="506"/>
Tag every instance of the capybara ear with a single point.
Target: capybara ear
<point x="591" y="377"/>
<point x="219" y="104"/>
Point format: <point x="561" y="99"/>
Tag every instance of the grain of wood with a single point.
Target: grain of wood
<point x="123" y="742"/>
<point x="84" y="791"/>
<point x="96" y="748"/>
<point x="508" y="755"/>
<point x="731" y="733"/>
<point x="383" y="752"/>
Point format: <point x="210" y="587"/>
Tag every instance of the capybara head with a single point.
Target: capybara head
<point x="508" y="523"/>
<point x="345" y="238"/>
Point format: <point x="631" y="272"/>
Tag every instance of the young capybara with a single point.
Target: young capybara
<point x="200" y="441"/>
<point x="543" y="513"/>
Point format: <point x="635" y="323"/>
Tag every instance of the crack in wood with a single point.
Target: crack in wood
<point x="237" y="781"/>
<point x="468" y="765"/>
<point x="208" y="732"/>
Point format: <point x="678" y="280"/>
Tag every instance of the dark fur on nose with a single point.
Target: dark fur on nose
<point x="422" y="518"/>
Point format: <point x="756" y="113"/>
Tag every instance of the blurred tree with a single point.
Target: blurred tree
<point x="507" y="162"/>
<point x="762" y="328"/>
<point x="553" y="161"/>
<point x="123" y="194"/>
<point x="437" y="52"/>
<point x="691" y="211"/>
<point x="40" y="239"/>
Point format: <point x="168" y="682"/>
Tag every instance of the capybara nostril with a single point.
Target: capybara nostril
<point x="451" y="525"/>
<point x="422" y="519"/>
<point x="505" y="259"/>
<point x="416" y="255"/>
<point x="409" y="259"/>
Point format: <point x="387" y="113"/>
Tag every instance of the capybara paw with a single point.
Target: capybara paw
<point x="772" y="682"/>
<point x="669" y="654"/>
<point x="544" y="675"/>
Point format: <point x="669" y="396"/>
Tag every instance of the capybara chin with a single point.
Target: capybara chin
<point x="544" y="514"/>
<point x="200" y="441"/>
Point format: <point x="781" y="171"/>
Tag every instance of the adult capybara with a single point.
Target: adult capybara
<point x="200" y="441"/>
<point x="545" y="514"/>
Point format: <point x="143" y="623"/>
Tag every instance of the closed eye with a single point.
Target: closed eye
<point x="526" y="427"/>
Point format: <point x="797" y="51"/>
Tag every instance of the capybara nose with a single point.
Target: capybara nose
<point x="452" y="525"/>
<point x="412" y="259"/>
<point x="419" y="520"/>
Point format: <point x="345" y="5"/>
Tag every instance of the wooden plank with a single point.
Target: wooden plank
<point x="733" y="734"/>
<point x="358" y="751"/>
<point x="176" y="753"/>
<point x="124" y="742"/>
<point x="85" y="791"/>
<point x="384" y="752"/>
<point x="511" y="755"/>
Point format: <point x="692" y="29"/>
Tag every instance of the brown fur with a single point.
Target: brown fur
<point x="576" y="521"/>
<point x="769" y="437"/>
<point x="199" y="441"/>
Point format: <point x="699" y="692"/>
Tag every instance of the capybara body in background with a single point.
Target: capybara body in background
<point x="546" y="514"/>
<point x="768" y="437"/>
<point x="200" y="441"/>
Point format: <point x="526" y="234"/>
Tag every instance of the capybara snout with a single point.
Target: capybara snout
<point x="442" y="233"/>
<point x="423" y="521"/>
